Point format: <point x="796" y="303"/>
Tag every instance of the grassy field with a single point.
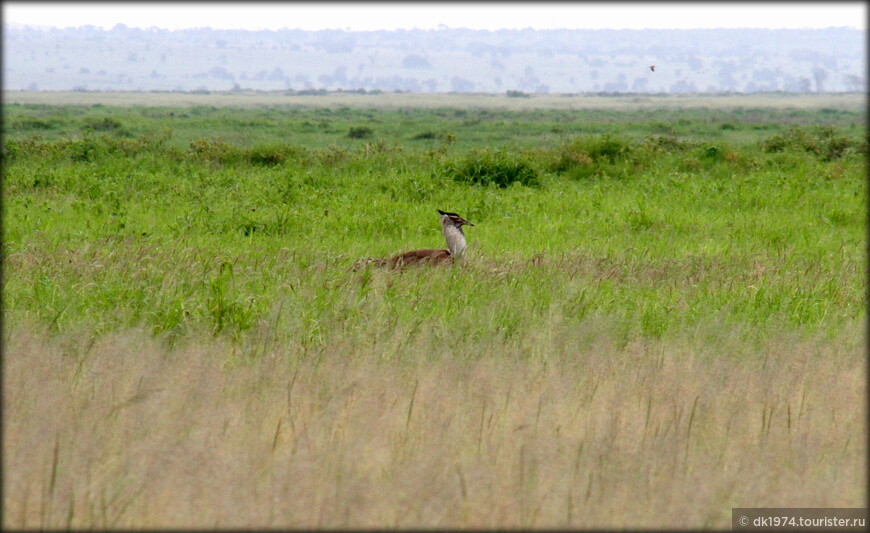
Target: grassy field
<point x="660" y="317"/>
<point x="563" y="102"/>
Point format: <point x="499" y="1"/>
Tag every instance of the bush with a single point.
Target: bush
<point x="213" y="150"/>
<point x="609" y="148"/>
<point x="775" y="143"/>
<point x="712" y="152"/>
<point x="360" y="132"/>
<point x="664" y="128"/>
<point x="837" y="147"/>
<point x="101" y="124"/>
<point x="569" y="158"/>
<point x="498" y="168"/>
<point x="31" y="146"/>
<point x="32" y="123"/>
<point x="665" y="143"/>
<point x="267" y="155"/>
<point x="819" y="141"/>
<point x="426" y="135"/>
<point x="85" y="149"/>
<point x="590" y="152"/>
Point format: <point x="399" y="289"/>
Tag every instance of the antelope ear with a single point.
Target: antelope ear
<point x="441" y="212"/>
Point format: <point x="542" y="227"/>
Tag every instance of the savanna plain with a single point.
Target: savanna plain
<point x="660" y="315"/>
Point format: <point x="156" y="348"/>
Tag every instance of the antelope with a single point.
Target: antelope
<point x="451" y="227"/>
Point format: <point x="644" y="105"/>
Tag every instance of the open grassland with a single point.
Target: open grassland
<point x="660" y="316"/>
<point x="273" y="99"/>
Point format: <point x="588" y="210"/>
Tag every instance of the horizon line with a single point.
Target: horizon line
<point x="441" y="27"/>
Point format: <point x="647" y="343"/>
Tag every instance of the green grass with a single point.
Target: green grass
<point x="661" y="234"/>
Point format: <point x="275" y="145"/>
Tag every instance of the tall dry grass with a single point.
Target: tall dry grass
<point x="123" y="432"/>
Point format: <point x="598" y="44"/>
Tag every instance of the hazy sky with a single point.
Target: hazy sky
<point x="429" y="15"/>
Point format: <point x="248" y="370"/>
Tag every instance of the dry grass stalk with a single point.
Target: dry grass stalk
<point x="123" y="433"/>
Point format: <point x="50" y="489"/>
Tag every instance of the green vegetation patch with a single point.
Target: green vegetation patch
<point x="186" y="226"/>
<point x="490" y="167"/>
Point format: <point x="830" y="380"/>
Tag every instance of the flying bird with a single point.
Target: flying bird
<point x="652" y="68"/>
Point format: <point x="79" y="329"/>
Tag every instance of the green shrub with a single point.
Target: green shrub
<point x="101" y="124"/>
<point x="331" y="155"/>
<point x="267" y="155"/>
<point x="360" y="132"/>
<point x="607" y="147"/>
<point x="426" y="135"/>
<point x="213" y="150"/>
<point x="31" y="146"/>
<point x="85" y="149"/>
<point x="590" y="153"/>
<point x="836" y="147"/>
<point x="663" y="128"/>
<point x="665" y="143"/>
<point x="569" y="158"/>
<point x="582" y="172"/>
<point x="775" y="143"/>
<point x="712" y="152"/>
<point x="488" y="167"/>
<point x="32" y="123"/>
<point x="819" y="141"/>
